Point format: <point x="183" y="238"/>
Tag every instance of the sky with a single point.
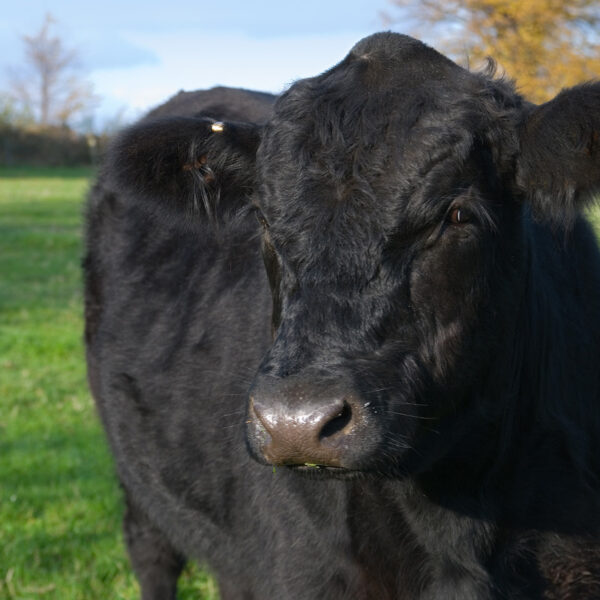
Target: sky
<point x="139" y="53"/>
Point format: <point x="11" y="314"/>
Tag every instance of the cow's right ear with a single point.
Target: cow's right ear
<point x="559" y="164"/>
<point x="185" y="167"/>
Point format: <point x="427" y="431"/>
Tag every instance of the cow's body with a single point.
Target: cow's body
<point x="450" y="359"/>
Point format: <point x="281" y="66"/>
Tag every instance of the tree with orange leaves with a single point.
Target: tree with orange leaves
<point x="544" y="44"/>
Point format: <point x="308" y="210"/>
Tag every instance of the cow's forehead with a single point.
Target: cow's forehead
<point x="350" y="150"/>
<point x="383" y="76"/>
<point x="394" y="59"/>
<point x="391" y="106"/>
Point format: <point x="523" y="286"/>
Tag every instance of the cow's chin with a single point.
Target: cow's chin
<point x="319" y="472"/>
<point x="368" y="472"/>
<point x="373" y="467"/>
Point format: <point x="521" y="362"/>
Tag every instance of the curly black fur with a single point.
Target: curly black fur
<point x="469" y="346"/>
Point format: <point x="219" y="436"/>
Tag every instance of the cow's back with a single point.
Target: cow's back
<point x="234" y="104"/>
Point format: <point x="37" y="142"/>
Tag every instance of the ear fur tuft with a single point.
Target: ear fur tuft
<point x="179" y="166"/>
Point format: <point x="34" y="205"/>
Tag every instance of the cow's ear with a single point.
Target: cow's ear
<point x="181" y="167"/>
<point x="559" y="164"/>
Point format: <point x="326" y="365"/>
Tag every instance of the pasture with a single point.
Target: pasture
<point x="60" y="506"/>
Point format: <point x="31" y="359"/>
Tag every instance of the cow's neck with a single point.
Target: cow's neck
<point x="550" y="462"/>
<point x="490" y="500"/>
<point x="526" y="458"/>
<point x="455" y="555"/>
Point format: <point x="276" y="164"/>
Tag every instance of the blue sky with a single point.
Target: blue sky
<point x="138" y="53"/>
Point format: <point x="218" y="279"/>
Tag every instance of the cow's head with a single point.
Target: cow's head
<point x="393" y="191"/>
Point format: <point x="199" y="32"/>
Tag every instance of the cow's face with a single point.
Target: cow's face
<point x="393" y="238"/>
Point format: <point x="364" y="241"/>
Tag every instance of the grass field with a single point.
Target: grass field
<point x="60" y="506"/>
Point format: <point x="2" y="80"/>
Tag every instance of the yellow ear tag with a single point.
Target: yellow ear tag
<point x="217" y="127"/>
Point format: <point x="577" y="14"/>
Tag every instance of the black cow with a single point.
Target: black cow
<point x="416" y="373"/>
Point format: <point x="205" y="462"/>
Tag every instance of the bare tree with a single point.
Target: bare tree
<point x="49" y="84"/>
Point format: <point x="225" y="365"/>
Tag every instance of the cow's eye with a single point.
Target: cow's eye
<point x="458" y="216"/>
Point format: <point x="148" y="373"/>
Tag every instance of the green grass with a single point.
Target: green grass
<point x="60" y="505"/>
<point x="593" y="216"/>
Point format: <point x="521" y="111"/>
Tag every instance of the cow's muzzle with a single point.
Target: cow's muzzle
<point x="291" y="422"/>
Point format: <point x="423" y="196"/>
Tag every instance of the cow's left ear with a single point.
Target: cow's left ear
<point x="559" y="163"/>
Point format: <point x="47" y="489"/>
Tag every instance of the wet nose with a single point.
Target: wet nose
<point x="303" y="426"/>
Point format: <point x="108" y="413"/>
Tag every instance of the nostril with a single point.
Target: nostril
<point x="337" y="424"/>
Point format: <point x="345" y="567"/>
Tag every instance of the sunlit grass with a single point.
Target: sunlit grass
<point x="60" y="504"/>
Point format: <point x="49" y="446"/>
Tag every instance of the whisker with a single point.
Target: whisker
<point x="401" y="414"/>
<point x="233" y="414"/>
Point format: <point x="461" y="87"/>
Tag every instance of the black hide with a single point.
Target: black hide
<point x="386" y="290"/>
